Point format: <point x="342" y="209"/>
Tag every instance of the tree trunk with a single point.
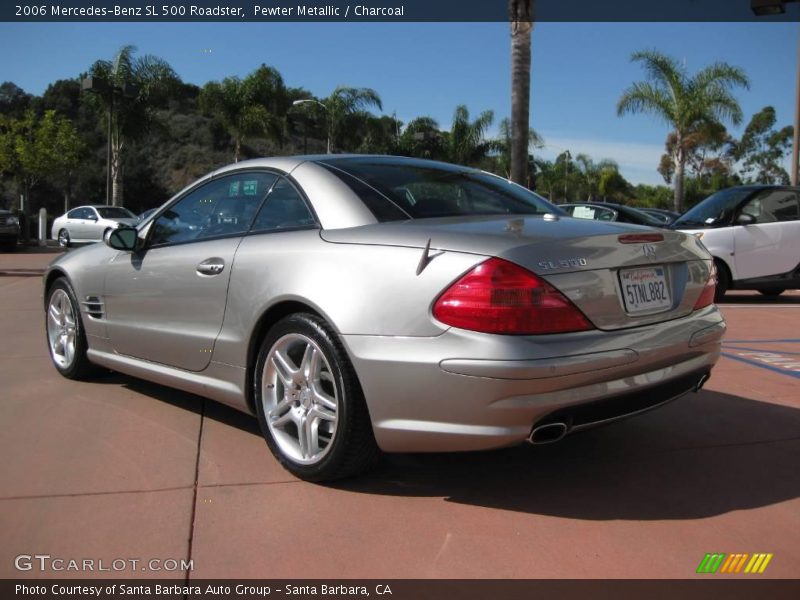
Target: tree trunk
<point x="237" y="147"/>
<point x="521" y="17"/>
<point x="680" y="163"/>
<point x="116" y="169"/>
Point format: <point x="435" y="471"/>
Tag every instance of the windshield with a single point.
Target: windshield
<point x="717" y="208"/>
<point x="423" y="190"/>
<point x="114" y="212"/>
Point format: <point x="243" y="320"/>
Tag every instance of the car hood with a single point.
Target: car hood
<point x="541" y="245"/>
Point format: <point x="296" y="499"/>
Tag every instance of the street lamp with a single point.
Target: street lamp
<point x="762" y="8"/>
<point x="327" y="116"/>
<point x="99" y="85"/>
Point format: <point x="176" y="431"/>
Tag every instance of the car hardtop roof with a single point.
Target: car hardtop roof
<point x="289" y="163"/>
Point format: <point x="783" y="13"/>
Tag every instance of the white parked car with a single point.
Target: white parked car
<point x="753" y="233"/>
<point x="89" y="223"/>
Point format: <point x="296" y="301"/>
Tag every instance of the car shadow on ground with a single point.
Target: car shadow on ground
<point x="757" y="299"/>
<point x="704" y="455"/>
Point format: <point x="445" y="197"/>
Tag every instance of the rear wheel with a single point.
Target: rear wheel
<point x="66" y="338"/>
<point x="772" y="292"/>
<point x="63" y="238"/>
<point x="723" y="280"/>
<point x="309" y="403"/>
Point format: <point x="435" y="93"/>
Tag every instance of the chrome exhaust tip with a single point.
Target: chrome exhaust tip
<point x="547" y="434"/>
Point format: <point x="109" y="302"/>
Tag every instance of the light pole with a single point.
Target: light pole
<point x="327" y="116"/>
<point x="101" y="86"/>
<point x="763" y="8"/>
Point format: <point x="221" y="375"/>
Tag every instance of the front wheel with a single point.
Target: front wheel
<point x="66" y="338"/>
<point x="309" y="402"/>
<point x="723" y="280"/>
<point x="63" y="238"/>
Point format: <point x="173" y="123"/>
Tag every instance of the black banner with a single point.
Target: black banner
<point x="150" y="11"/>
<point x="394" y="589"/>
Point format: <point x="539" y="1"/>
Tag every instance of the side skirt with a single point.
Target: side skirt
<point x="220" y="382"/>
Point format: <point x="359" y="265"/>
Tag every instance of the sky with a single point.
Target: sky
<point x="579" y="70"/>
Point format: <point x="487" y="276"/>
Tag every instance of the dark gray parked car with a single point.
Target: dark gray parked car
<point x="9" y="230"/>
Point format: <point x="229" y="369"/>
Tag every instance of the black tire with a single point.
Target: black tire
<point x="772" y="292"/>
<point x="351" y="448"/>
<point x="723" y="280"/>
<point x="63" y="239"/>
<point x="79" y="367"/>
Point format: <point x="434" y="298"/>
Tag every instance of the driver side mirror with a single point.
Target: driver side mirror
<point x="123" y="238"/>
<point x="746" y="219"/>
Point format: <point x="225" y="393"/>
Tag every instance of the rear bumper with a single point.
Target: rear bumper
<point x="469" y="391"/>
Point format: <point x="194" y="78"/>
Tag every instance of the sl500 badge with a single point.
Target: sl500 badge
<point x="563" y="263"/>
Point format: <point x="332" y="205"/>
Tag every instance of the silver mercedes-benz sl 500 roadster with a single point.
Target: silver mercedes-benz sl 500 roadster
<point x="359" y="304"/>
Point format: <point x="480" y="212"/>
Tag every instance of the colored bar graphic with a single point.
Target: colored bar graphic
<point x="732" y="559"/>
<point x="733" y="563"/>
<point x="741" y="563"/>
<point x="710" y="563"/>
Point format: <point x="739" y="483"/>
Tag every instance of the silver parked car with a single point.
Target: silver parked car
<point x="89" y="223"/>
<point x="359" y="303"/>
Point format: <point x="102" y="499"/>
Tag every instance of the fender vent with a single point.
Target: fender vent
<point x="94" y="307"/>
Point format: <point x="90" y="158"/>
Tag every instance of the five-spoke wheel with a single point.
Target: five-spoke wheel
<point x="309" y="403"/>
<point x="66" y="339"/>
<point x="300" y="398"/>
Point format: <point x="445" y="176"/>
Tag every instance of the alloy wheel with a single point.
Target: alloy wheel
<point x="300" y="399"/>
<point x="61" y="329"/>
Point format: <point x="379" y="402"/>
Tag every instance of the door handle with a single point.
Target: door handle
<point x="211" y="266"/>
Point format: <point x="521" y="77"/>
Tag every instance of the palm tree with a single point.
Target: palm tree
<point x="133" y="86"/>
<point x="348" y="102"/>
<point x="250" y="106"/>
<point x="466" y="144"/>
<point x="520" y="13"/>
<point x="593" y="172"/>
<point x="506" y="142"/>
<point x="423" y="139"/>
<point x="685" y="103"/>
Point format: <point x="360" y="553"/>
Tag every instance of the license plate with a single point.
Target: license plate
<point x="644" y="290"/>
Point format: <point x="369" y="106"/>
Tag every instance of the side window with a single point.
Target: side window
<point x="284" y="208"/>
<point x="80" y="213"/>
<point x="773" y="206"/>
<point x="221" y="207"/>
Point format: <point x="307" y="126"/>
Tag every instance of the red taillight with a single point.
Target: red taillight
<point x="500" y="297"/>
<point x="707" y="295"/>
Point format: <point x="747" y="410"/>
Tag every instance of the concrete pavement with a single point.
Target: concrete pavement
<point x="121" y="469"/>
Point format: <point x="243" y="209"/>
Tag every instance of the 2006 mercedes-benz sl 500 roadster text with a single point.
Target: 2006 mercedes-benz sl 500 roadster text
<point x="359" y="303"/>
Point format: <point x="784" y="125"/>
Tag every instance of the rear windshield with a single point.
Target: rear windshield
<point x="419" y="191"/>
<point x="717" y="208"/>
<point x="115" y="212"/>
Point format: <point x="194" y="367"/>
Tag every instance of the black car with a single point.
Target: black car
<point x="668" y="216"/>
<point x="607" y="211"/>
<point x="9" y="230"/>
